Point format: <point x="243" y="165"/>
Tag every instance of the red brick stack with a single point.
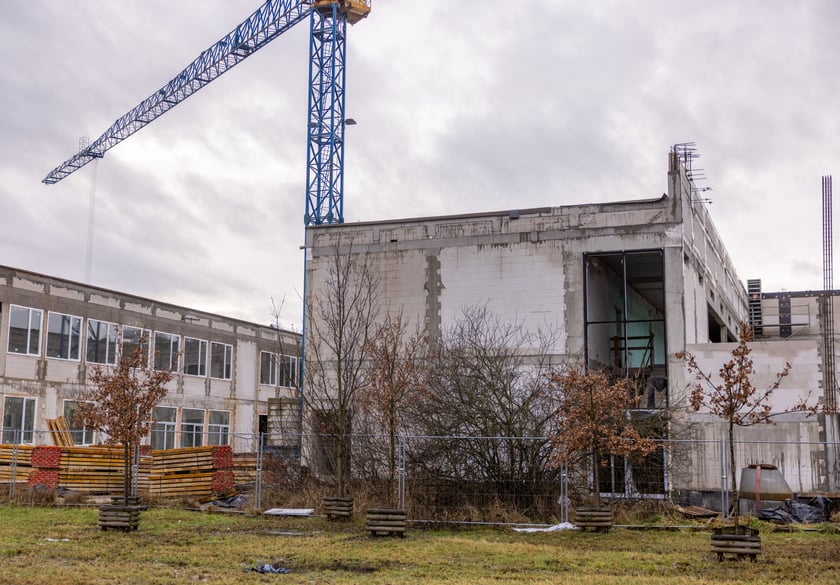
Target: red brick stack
<point x="46" y="462"/>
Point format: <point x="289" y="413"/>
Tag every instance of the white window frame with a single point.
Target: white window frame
<point x="202" y="353"/>
<point x="81" y="435"/>
<point x="227" y="360"/>
<point x="167" y="429"/>
<point x="25" y="433"/>
<point x="218" y="433"/>
<point x="287" y="376"/>
<point x="192" y="433"/>
<point x="111" y="340"/>
<point x="272" y="368"/>
<point x="172" y="348"/>
<point x="143" y="333"/>
<point x="29" y="329"/>
<point x="65" y="346"/>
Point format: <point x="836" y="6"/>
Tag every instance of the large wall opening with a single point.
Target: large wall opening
<point x="625" y="337"/>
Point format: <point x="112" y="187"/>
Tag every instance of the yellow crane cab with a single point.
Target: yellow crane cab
<point x="355" y="10"/>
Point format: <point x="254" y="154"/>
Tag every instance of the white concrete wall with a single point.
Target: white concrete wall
<point x="792" y="442"/>
<point x="519" y="283"/>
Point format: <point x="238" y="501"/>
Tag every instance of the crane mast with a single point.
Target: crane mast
<point x="325" y="130"/>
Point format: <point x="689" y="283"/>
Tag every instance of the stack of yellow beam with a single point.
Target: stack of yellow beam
<point x="23" y="465"/>
<point x="200" y="472"/>
<point x="99" y="470"/>
<point x="60" y="432"/>
<point x="245" y="467"/>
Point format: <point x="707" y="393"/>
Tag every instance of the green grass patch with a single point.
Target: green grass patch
<point x="54" y="545"/>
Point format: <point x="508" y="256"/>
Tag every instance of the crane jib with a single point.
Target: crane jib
<point x="325" y="161"/>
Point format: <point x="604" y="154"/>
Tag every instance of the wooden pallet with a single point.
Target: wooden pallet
<point x="385" y="522"/>
<point x="338" y="508"/>
<point x="743" y="542"/>
<point x="117" y="517"/>
<point x="599" y="519"/>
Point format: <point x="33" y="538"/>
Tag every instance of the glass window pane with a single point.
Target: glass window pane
<point x="268" y="368"/>
<point x="63" y="336"/>
<point x="288" y="371"/>
<point x="81" y="435"/>
<point x="195" y="357"/>
<point x="166" y="351"/>
<point x="218" y="427"/>
<point x="132" y="337"/>
<point x="101" y="342"/>
<point x="18" y="420"/>
<point x="24" y="330"/>
<point x="163" y="429"/>
<point x="192" y="427"/>
<point x="220" y="360"/>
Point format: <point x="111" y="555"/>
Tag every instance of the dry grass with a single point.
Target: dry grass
<point x="63" y="546"/>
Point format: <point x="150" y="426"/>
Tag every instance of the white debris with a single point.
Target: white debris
<point x="555" y="528"/>
<point x="290" y="511"/>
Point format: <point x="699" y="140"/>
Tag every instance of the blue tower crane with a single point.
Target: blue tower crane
<point x="325" y="131"/>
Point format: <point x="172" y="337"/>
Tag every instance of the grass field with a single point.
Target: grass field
<point x="58" y="546"/>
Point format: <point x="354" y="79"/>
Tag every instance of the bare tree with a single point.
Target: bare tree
<point x="121" y="403"/>
<point x="396" y="374"/>
<point x="593" y="420"/>
<point x="733" y="397"/>
<point x="488" y="385"/>
<point x="340" y="323"/>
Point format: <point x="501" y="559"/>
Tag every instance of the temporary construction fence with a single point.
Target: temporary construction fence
<point x="455" y="479"/>
<point x="509" y="480"/>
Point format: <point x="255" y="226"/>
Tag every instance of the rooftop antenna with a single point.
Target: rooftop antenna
<point x="687" y="153"/>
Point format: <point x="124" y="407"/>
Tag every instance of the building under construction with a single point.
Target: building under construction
<point x="626" y="286"/>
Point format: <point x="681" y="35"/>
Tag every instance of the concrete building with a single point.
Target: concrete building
<point x="53" y="331"/>
<point x="626" y="285"/>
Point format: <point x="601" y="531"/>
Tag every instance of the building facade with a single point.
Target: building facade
<point x="53" y="332"/>
<point x="625" y="286"/>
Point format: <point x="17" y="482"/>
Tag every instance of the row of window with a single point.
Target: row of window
<point x="194" y="427"/>
<point x="104" y="342"/>
<point x="278" y="369"/>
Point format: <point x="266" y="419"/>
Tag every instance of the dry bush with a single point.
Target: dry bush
<point x="35" y="496"/>
<point x="72" y="498"/>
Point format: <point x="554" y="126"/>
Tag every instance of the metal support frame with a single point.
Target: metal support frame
<point x="325" y="132"/>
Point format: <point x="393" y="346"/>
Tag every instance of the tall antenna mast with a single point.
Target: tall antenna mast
<point x="828" y="296"/>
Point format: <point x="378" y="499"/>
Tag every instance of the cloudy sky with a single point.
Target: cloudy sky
<point x="467" y="106"/>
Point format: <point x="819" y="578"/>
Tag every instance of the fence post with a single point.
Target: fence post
<point x="564" y="493"/>
<point x="401" y="473"/>
<point x="13" y="474"/>
<point x="724" y="504"/>
<point x="258" y="473"/>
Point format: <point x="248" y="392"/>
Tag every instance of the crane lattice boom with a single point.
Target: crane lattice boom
<point x="326" y="96"/>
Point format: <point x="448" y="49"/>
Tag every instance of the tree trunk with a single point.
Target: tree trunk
<point x="596" y="474"/>
<point x="392" y="455"/>
<point x="127" y="472"/>
<point x="340" y="463"/>
<point x="736" y="506"/>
